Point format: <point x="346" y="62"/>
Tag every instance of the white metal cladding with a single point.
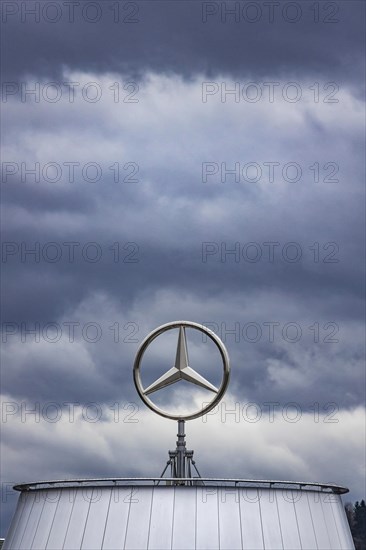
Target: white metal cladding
<point x="178" y="517"/>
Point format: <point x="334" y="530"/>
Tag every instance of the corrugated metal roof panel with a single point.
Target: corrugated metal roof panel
<point x="185" y="505"/>
<point x="178" y="517"/>
<point x="117" y="518"/>
<point x="251" y="521"/>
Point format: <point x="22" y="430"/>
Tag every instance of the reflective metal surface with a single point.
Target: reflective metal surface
<point x="208" y="481"/>
<point x="136" y="514"/>
<point x="181" y="369"/>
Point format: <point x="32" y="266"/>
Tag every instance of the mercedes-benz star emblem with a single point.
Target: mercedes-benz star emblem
<point x="181" y="369"/>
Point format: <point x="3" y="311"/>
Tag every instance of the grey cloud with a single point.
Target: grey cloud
<point x="173" y="38"/>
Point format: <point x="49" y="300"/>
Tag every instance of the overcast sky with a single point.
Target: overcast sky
<point x="183" y="160"/>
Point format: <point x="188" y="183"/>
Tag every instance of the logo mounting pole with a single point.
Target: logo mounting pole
<point x="180" y="460"/>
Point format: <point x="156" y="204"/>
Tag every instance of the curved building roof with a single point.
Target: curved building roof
<point x="116" y="514"/>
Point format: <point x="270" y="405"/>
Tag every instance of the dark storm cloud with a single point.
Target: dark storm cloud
<point x="179" y="234"/>
<point x="187" y="38"/>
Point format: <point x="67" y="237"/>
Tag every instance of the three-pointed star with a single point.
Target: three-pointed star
<point x="181" y="370"/>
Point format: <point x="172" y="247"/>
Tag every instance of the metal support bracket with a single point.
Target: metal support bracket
<point x="181" y="460"/>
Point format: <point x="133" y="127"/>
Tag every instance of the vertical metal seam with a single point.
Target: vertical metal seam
<point x="86" y="519"/>
<point x="278" y="516"/>
<point x="346" y="527"/>
<point x="260" y="515"/>
<point x="297" y="522"/>
<point x="151" y="507"/>
<point x="68" y="523"/>
<point x="39" y="519"/>
<point x="240" y="521"/>
<point x="218" y="517"/>
<point x="312" y="521"/>
<point x="21" y="504"/>
<point x="325" y="522"/>
<point x="53" y="519"/>
<point x="26" y="524"/>
<point x="335" y="523"/>
<point x="173" y="517"/>
<point x="106" y="519"/>
<point x="195" y="520"/>
<point x="128" y="518"/>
